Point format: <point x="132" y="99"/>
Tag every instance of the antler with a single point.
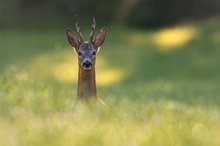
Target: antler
<point x="79" y="32"/>
<point x="93" y="29"/>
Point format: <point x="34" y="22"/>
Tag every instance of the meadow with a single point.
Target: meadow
<point x="161" y="88"/>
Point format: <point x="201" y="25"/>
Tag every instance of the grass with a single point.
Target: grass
<point x="161" y="89"/>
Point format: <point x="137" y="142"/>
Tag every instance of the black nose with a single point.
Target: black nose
<point x="87" y="64"/>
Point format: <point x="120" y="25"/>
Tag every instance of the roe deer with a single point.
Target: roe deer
<point x="86" y="51"/>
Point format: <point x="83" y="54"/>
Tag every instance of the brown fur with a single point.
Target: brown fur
<point x="86" y="83"/>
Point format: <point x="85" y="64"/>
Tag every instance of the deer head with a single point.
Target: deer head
<point x="86" y="50"/>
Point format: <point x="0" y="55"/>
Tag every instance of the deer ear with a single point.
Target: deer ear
<point x="100" y="38"/>
<point x="73" y="40"/>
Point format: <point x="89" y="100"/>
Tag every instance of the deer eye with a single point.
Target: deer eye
<point x="79" y="53"/>
<point x="94" y="53"/>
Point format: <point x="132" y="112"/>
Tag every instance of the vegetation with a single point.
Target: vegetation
<point x="44" y="14"/>
<point x="160" y="87"/>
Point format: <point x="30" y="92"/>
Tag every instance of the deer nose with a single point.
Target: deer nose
<point x="87" y="64"/>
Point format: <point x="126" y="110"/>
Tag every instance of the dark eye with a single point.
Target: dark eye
<point x="79" y="53"/>
<point x="93" y="53"/>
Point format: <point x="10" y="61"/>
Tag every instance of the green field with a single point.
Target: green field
<point x="161" y="88"/>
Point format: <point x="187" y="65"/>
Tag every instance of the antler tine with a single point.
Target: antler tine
<point x="79" y="32"/>
<point x="93" y="29"/>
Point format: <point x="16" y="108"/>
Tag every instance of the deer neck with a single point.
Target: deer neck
<point x="86" y="83"/>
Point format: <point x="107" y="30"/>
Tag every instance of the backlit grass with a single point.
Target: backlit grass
<point x="153" y="96"/>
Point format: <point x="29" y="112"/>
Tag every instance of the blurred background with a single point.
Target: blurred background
<point x="158" y="71"/>
<point x="33" y="28"/>
<point x="148" y="40"/>
<point x="44" y="14"/>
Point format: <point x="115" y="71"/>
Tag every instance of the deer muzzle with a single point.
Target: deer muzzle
<point x="87" y="65"/>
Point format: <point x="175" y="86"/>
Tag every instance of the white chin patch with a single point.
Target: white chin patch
<point x="87" y="68"/>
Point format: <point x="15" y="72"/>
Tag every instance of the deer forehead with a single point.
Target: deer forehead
<point x="86" y="46"/>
